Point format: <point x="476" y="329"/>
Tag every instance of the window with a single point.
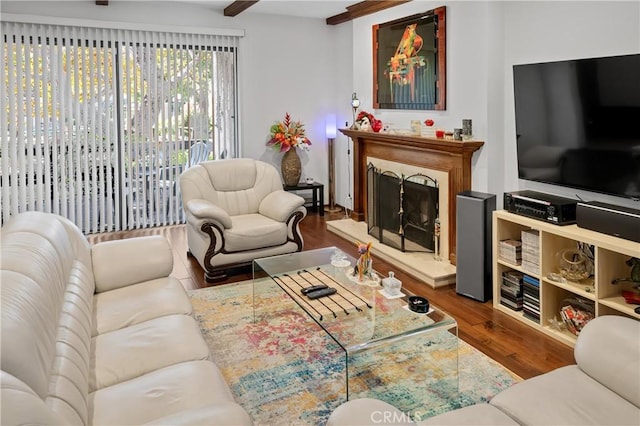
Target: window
<point x="99" y="123"/>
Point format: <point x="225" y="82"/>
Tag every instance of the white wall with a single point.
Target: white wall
<point x="467" y="72"/>
<point x="550" y="31"/>
<point x="484" y="41"/>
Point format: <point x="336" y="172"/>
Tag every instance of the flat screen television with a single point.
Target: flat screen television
<point x="578" y="123"/>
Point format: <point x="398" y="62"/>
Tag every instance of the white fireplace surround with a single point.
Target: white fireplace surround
<point x="441" y="177"/>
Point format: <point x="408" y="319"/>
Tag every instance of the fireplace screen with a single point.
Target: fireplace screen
<point x="402" y="211"/>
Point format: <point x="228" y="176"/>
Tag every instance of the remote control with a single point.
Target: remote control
<point x="321" y="293"/>
<point x="313" y="288"/>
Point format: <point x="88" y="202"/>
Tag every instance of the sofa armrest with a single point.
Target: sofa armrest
<point x="203" y="209"/>
<point x="130" y="261"/>
<point x="22" y="406"/>
<point x="608" y="350"/>
<point x="224" y="413"/>
<point x="279" y="205"/>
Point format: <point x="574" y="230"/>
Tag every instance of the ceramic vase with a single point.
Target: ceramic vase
<point x="291" y="167"/>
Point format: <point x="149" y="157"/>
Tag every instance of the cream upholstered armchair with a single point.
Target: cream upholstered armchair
<point x="237" y="211"/>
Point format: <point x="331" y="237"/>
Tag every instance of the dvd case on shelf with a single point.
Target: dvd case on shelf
<point x="531" y="251"/>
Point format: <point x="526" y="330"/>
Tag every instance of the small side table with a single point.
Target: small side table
<point x="317" y="190"/>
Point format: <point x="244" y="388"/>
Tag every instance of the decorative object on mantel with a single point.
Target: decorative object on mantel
<point x="286" y="136"/>
<point x="355" y="104"/>
<point x="429" y="132"/>
<point x="366" y="122"/>
<point x="416" y="128"/>
<point x="467" y="132"/>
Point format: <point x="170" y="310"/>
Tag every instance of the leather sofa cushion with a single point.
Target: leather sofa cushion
<point x="254" y="231"/>
<point x="158" y="394"/>
<point x="566" y="396"/>
<point x="134" y="304"/>
<point x="141" y="348"/>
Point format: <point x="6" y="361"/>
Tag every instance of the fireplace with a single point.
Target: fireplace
<point x="403" y="210"/>
<point x="451" y="158"/>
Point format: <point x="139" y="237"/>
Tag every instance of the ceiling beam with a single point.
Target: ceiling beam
<point x="366" y="7"/>
<point x="238" y="6"/>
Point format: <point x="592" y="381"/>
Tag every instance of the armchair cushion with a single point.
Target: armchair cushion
<point x="279" y="205"/>
<point x="253" y="231"/>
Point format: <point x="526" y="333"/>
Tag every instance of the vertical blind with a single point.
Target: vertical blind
<point x="99" y="123"/>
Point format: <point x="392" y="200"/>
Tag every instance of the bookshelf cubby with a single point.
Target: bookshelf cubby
<point x="609" y="263"/>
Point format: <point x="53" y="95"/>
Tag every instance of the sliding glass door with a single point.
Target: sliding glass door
<point x="99" y="123"/>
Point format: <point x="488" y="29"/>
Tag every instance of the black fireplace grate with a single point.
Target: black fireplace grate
<point x="402" y="211"/>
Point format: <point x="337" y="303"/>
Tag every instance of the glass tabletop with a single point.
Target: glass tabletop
<point x="359" y="316"/>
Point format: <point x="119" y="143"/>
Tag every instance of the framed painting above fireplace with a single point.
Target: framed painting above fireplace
<point x="409" y="62"/>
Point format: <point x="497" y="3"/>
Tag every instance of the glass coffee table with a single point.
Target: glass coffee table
<point x="384" y="343"/>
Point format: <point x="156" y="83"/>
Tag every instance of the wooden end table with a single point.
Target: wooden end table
<point x="317" y="189"/>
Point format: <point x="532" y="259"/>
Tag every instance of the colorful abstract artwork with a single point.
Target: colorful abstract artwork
<point x="409" y="62"/>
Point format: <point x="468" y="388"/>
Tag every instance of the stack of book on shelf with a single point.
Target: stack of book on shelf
<point x="511" y="251"/>
<point x="531" y="251"/>
<point x="511" y="290"/>
<point x="531" y="298"/>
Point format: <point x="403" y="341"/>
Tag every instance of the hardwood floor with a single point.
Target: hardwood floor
<point x="521" y="349"/>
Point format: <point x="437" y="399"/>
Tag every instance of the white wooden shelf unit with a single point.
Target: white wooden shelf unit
<point x="610" y="256"/>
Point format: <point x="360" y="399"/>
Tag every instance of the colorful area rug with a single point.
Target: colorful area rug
<point x="283" y="369"/>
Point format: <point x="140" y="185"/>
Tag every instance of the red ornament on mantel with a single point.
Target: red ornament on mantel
<point x="376" y="125"/>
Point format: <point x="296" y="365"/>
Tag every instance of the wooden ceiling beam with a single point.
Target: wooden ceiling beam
<point x="238" y="7"/>
<point x="366" y="7"/>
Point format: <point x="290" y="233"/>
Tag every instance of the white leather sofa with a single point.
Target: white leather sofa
<point x="237" y="211"/>
<point x="100" y="335"/>
<point x="602" y="389"/>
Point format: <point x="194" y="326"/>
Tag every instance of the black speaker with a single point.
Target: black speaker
<point x="623" y="222"/>
<point x="473" y="244"/>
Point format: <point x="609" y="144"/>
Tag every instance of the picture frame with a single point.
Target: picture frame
<point x="409" y="62"/>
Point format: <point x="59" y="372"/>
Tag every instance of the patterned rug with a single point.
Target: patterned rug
<point x="283" y="369"/>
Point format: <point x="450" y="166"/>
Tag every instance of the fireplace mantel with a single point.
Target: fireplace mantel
<point x="453" y="157"/>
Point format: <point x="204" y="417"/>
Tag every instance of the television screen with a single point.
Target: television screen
<point x="578" y="123"/>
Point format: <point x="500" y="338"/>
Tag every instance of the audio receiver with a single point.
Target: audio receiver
<point x="545" y="207"/>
